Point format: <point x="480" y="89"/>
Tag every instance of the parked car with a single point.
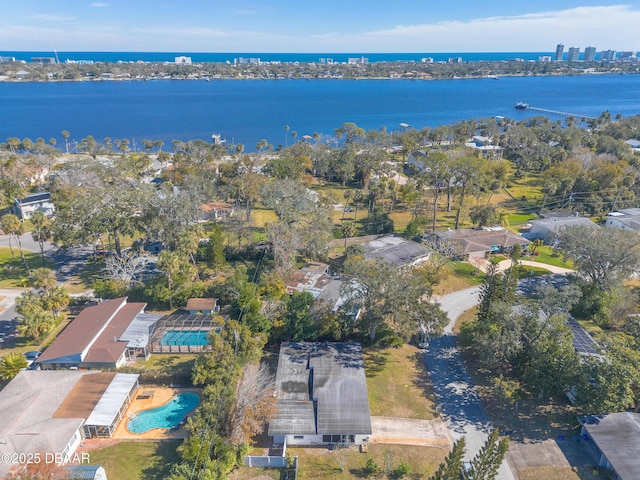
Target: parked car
<point x="467" y="471"/>
<point x="31" y="357"/>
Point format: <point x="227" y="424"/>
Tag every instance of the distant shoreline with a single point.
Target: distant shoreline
<point x="7" y="79"/>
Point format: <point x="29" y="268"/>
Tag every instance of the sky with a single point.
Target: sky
<point x="330" y="26"/>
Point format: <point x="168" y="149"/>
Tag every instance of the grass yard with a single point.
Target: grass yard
<point x="318" y="463"/>
<point x="13" y="274"/>
<point x="91" y="271"/>
<point x="136" y="460"/>
<point x="548" y="256"/>
<point x="554" y="473"/>
<point x="251" y="473"/>
<point x="398" y="383"/>
<point x="260" y="217"/>
<point x="459" y="275"/>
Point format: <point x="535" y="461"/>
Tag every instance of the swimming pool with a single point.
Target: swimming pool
<point x="166" y="416"/>
<point x="185" y="337"/>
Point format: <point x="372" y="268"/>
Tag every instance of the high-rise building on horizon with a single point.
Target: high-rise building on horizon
<point x="589" y="54"/>
<point x="559" y="52"/>
<point x="607" y="55"/>
<point x="574" y="54"/>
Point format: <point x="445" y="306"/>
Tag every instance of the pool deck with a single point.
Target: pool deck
<point x="161" y="395"/>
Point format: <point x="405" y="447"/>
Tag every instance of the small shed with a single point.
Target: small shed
<point x="88" y="472"/>
<point x="202" y="306"/>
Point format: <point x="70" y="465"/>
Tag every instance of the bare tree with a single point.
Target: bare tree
<point x="255" y="403"/>
<point x="125" y="267"/>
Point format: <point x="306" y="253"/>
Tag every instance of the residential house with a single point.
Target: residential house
<point x="216" y="211"/>
<point x="615" y="437"/>
<point x="51" y="412"/>
<point x="634" y="145"/>
<point x="485" y="146"/>
<point x="315" y="279"/>
<point x="470" y="243"/>
<point x="321" y="395"/>
<point x="396" y="251"/>
<point x="25" y="207"/>
<point x="626" y="219"/>
<point x="551" y="223"/>
<point x="106" y="335"/>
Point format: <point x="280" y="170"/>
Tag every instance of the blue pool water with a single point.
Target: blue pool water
<point x="168" y="415"/>
<point x="185" y="337"/>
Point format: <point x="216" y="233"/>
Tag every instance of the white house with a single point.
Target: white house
<point x="36" y="201"/>
<point x="545" y="228"/>
<point x="626" y="219"/>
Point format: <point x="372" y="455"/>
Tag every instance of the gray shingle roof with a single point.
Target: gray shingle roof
<point x="395" y="251"/>
<point x="616" y="435"/>
<point x="331" y="375"/>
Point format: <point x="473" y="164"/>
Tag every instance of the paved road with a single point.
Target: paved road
<point x="460" y="405"/>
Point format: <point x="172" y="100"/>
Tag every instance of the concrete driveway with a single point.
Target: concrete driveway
<point x="460" y="405"/>
<point x="410" y="431"/>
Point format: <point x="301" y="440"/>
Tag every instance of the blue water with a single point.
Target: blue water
<point x="270" y="57"/>
<point x="185" y="337"/>
<point x="246" y="111"/>
<point x="166" y="416"/>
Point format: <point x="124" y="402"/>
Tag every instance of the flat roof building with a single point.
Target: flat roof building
<point x="589" y="54"/>
<point x="574" y="54"/>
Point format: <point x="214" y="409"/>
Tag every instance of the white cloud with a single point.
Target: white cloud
<point x="610" y="27"/>
<point x="99" y="5"/>
<point x="614" y="26"/>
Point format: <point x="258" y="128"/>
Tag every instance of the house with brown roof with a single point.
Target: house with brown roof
<point x="478" y="242"/>
<point x="216" y="211"/>
<point x="105" y="335"/>
<point x="202" y="306"/>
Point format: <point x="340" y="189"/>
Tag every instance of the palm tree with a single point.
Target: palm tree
<point x="11" y="364"/>
<point x="56" y="300"/>
<point x="43" y="279"/>
<point x="348" y="195"/>
<point x="65" y="135"/>
<point x="8" y="224"/>
<point x="35" y="323"/>
<point x="41" y="230"/>
<point x="349" y="229"/>
<point x="286" y="138"/>
<point x="12" y="226"/>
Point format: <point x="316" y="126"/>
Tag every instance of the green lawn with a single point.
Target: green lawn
<point x="137" y="460"/>
<point x="459" y="275"/>
<point x="320" y="463"/>
<point x="548" y="256"/>
<point x="13" y="273"/>
<point x="398" y="383"/>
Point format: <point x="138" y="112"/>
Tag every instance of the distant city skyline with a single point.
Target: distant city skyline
<point x="328" y="26"/>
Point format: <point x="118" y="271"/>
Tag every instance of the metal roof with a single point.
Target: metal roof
<point x="321" y="389"/>
<point x="616" y="435"/>
<point x="138" y="332"/>
<point x="114" y="397"/>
